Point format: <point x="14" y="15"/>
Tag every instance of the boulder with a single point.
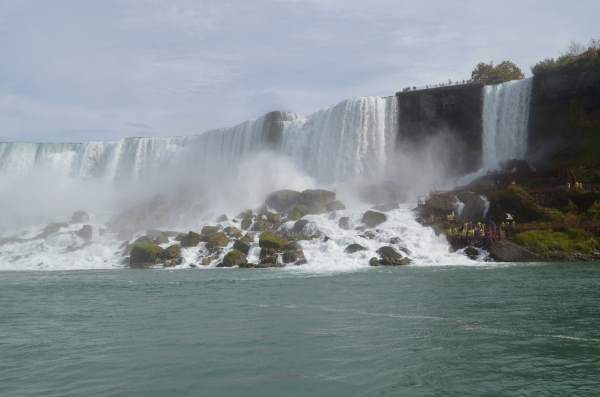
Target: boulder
<point x="216" y="240"/>
<point x="344" y="223"/>
<point x="222" y="218"/>
<point x="507" y="251"/>
<point x="233" y="258"/>
<point x="191" y="239"/>
<point x="261" y="223"/>
<point x="335" y="205"/>
<point x="86" y="233"/>
<point x="298" y="211"/>
<point x="233" y="232"/>
<point x="209" y="230"/>
<point x="292" y="253"/>
<point x="390" y="257"/>
<point x="316" y="200"/>
<point x="373" y="218"/>
<point x="241" y="246"/>
<point x="144" y="254"/>
<point x="171" y="252"/>
<point x="271" y="241"/>
<point x="282" y="200"/>
<point x="471" y="252"/>
<point x="246" y="222"/>
<point x="79" y="217"/>
<point x="352" y="248"/>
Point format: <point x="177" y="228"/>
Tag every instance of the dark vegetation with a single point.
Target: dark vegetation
<point x="488" y="73"/>
<point x="576" y="58"/>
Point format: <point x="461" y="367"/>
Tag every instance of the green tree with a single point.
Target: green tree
<point x="487" y="73"/>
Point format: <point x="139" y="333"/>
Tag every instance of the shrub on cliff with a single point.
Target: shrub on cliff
<point x="488" y="73"/>
<point x="576" y="58"/>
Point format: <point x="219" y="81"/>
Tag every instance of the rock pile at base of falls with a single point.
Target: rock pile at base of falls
<point x="271" y="236"/>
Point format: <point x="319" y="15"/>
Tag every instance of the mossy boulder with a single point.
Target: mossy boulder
<point x="316" y="200"/>
<point x="171" y="252"/>
<point x="507" y="251"/>
<point x="298" y="211"/>
<point x="191" y="239"/>
<point x="233" y="258"/>
<point x="272" y="241"/>
<point x="144" y="254"/>
<point x="261" y="223"/>
<point x="373" y="218"/>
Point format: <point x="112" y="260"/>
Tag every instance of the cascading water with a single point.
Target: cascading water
<point x="505" y="118"/>
<point x="354" y="139"/>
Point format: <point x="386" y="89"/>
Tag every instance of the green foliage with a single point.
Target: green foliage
<point x="271" y="241"/>
<point x="487" y="73"/>
<point x="546" y="242"/>
<point x="593" y="213"/>
<point x="576" y="58"/>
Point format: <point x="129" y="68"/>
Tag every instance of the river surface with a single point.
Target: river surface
<point x="414" y="331"/>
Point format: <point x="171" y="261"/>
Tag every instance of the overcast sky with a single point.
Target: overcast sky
<point x="77" y="70"/>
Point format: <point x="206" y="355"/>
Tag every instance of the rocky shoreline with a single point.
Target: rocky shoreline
<point x="519" y="214"/>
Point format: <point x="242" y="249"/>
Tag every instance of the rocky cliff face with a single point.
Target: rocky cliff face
<point x="564" y="121"/>
<point x="450" y="114"/>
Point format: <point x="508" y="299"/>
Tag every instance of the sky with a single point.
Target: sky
<point x="81" y="70"/>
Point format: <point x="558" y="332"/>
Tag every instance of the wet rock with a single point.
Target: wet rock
<point x="80" y="217"/>
<point x="471" y="252"/>
<point x="207" y="260"/>
<point x="282" y="200"/>
<point x="507" y="251"/>
<point x="216" y="240"/>
<point x="344" y="223"/>
<point x="374" y="262"/>
<point x="209" y="230"/>
<point x="233" y="258"/>
<point x="395" y="240"/>
<point x="246" y="222"/>
<point x="271" y="240"/>
<point x="316" y="200"/>
<point x="298" y="211"/>
<point x="335" y="205"/>
<point x="191" y="239"/>
<point x="373" y="218"/>
<point x="242" y="246"/>
<point x="268" y="261"/>
<point x="233" y="232"/>
<point x="293" y="253"/>
<point x="144" y="255"/>
<point x="86" y="233"/>
<point x="171" y="252"/>
<point x="261" y="224"/>
<point x="352" y="248"/>
<point x="369" y="234"/>
<point x="390" y="257"/>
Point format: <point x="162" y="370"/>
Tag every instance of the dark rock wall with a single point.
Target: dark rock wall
<point x="448" y="118"/>
<point x="564" y="119"/>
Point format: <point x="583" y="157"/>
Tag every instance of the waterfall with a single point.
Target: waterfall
<point x="350" y="139"/>
<point x="505" y="118"/>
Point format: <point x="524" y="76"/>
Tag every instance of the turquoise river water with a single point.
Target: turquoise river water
<point x="520" y="330"/>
